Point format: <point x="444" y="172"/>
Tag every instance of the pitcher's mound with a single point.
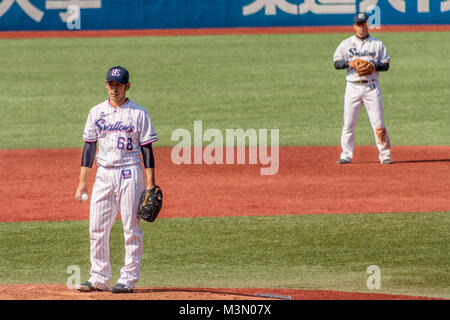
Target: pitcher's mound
<point x="61" y="292"/>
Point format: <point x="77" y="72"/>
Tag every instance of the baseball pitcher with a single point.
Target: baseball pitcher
<point x="124" y="131"/>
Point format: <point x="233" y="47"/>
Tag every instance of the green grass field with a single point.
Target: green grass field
<point x="256" y="81"/>
<point x="307" y="251"/>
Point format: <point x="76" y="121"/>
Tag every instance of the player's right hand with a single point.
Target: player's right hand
<point x="82" y="188"/>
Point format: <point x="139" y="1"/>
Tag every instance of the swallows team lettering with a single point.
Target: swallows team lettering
<point x="354" y="52"/>
<point x="118" y="126"/>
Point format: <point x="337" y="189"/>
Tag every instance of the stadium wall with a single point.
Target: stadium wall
<point x="18" y="15"/>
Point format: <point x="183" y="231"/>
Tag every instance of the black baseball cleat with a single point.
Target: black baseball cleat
<point x="88" y="287"/>
<point x="121" y="288"/>
<point x="343" y="161"/>
<point x="387" y="161"/>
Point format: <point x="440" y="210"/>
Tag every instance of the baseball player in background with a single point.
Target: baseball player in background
<point x="124" y="131"/>
<point x="363" y="56"/>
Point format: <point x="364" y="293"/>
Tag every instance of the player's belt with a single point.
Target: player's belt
<point x="363" y="81"/>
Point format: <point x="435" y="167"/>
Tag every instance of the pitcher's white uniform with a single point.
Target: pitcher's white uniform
<point x="363" y="90"/>
<point x="119" y="182"/>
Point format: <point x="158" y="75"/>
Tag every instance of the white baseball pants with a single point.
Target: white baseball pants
<point x="369" y="94"/>
<point x="116" y="189"/>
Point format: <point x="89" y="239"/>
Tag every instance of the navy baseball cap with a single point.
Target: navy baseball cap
<point x="118" y="74"/>
<point x="360" y="17"/>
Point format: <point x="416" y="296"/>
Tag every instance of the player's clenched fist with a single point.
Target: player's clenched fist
<point x="81" y="195"/>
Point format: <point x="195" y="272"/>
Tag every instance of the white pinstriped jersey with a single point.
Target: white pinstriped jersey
<point x="120" y="132"/>
<point x="370" y="49"/>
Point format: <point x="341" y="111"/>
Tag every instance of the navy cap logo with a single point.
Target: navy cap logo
<point x="118" y="74"/>
<point x="115" y="72"/>
<point x="360" y="17"/>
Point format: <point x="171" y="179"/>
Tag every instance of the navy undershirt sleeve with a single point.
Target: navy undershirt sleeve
<point x="381" y="66"/>
<point x="87" y="159"/>
<point x="341" y="64"/>
<point x="147" y="155"/>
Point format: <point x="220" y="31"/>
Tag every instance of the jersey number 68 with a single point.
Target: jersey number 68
<point x="121" y="143"/>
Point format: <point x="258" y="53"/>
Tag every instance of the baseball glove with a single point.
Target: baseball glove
<point x="363" y="67"/>
<point x="150" y="204"/>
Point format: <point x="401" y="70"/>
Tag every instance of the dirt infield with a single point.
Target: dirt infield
<point x="61" y="292"/>
<point x="308" y="182"/>
<point x="38" y="185"/>
<point x="211" y="31"/>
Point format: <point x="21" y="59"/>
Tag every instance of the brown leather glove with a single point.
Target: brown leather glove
<point x="363" y="67"/>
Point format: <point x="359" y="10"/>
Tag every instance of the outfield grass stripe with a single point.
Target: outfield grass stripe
<point x="329" y="252"/>
<point x="241" y="81"/>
